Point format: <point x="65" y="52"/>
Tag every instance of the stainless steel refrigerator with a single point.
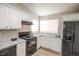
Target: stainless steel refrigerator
<point x="70" y="42"/>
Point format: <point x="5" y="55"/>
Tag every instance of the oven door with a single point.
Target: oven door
<point x="31" y="46"/>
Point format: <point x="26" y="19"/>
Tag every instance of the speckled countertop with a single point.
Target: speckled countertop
<point x="5" y="44"/>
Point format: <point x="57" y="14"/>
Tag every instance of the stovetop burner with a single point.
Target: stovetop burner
<point x="25" y="35"/>
<point x="26" y="38"/>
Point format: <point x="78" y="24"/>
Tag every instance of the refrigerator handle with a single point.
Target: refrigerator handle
<point x="73" y="35"/>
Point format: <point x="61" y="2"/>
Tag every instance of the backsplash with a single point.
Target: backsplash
<point x="6" y="35"/>
<point x="26" y="28"/>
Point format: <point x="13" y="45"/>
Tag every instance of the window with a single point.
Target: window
<point x="35" y="26"/>
<point x="49" y="26"/>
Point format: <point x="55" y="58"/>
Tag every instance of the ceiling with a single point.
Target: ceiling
<point x="43" y="9"/>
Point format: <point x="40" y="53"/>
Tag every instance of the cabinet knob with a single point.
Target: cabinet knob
<point x="57" y="35"/>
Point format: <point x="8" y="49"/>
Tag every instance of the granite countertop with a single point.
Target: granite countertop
<point x="5" y="44"/>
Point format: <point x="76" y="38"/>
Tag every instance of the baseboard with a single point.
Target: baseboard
<point x="54" y="51"/>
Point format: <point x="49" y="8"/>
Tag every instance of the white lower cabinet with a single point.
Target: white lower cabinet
<point x="51" y="43"/>
<point x="21" y="49"/>
<point x="38" y="42"/>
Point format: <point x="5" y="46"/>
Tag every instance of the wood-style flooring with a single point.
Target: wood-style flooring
<point x="45" y="52"/>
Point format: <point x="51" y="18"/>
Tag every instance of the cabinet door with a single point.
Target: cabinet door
<point x="71" y="17"/>
<point x="15" y="21"/>
<point x="68" y="17"/>
<point x="4" y="17"/>
<point x="51" y="43"/>
<point x="21" y="49"/>
<point x="38" y="42"/>
<point x="26" y="17"/>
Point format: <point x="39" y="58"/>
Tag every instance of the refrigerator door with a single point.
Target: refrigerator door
<point x="67" y="38"/>
<point x="76" y="40"/>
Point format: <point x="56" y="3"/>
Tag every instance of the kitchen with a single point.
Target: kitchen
<point x="25" y="33"/>
<point x="10" y="27"/>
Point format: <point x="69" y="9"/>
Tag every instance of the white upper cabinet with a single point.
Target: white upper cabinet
<point x="76" y="17"/>
<point x="26" y="17"/>
<point x="71" y="17"/>
<point x="15" y="20"/>
<point x="68" y="17"/>
<point x="9" y="18"/>
<point x="4" y="17"/>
